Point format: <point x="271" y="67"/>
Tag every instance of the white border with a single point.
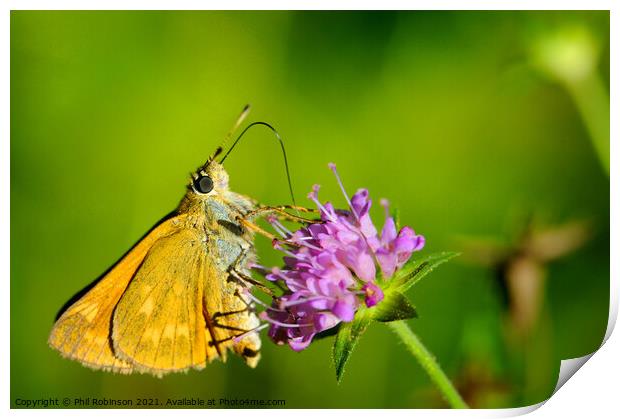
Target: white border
<point x="311" y="5"/>
<point x="594" y="392"/>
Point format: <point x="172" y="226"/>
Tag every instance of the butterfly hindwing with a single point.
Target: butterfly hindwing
<point x="82" y="332"/>
<point x="232" y="317"/>
<point x="182" y="311"/>
<point x="158" y="324"/>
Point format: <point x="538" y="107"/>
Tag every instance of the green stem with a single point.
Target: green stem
<point x="592" y="101"/>
<point x="429" y="363"/>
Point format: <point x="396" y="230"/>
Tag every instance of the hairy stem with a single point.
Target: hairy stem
<point x="429" y="363"/>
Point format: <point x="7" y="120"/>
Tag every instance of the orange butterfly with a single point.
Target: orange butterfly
<point x="175" y="301"/>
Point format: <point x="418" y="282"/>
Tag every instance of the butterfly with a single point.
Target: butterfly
<point x="177" y="299"/>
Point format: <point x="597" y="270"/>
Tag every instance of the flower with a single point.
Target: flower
<point x="373" y="294"/>
<point x="330" y="267"/>
<point x="395" y="248"/>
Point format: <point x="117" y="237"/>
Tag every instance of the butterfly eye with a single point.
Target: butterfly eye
<point x="203" y="184"/>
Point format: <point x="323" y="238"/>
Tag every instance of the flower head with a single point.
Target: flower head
<point x="331" y="267"/>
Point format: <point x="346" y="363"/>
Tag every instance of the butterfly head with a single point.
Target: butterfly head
<point x="211" y="179"/>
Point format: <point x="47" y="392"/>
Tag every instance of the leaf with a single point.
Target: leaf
<point x="347" y="338"/>
<point x="395" y="306"/>
<point x="417" y="269"/>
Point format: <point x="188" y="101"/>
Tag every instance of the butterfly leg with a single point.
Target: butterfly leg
<point x="232" y="316"/>
<point x="255" y="228"/>
<point x="211" y="324"/>
<point x="240" y="278"/>
<point x="261" y="212"/>
<point x="300" y="209"/>
<point x="249" y="307"/>
<point x="280" y="212"/>
<point x="256" y="204"/>
<point x="235" y="329"/>
<point x="235" y="325"/>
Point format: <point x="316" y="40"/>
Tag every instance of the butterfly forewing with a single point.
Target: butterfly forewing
<point x="83" y="331"/>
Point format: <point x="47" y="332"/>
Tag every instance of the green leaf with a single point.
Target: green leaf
<point x="417" y="269"/>
<point x="347" y="338"/>
<point x="395" y="306"/>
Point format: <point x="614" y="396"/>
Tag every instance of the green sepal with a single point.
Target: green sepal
<point x="347" y="338"/>
<point x="395" y="306"/>
<point x="417" y="269"/>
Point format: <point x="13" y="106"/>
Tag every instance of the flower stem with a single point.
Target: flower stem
<point x="593" y="102"/>
<point x="429" y="363"/>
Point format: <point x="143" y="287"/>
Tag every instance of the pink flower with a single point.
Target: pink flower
<point x="331" y="267"/>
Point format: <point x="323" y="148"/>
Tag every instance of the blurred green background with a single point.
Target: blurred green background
<point x="469" y="122"/>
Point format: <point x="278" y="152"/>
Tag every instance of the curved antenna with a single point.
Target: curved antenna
<point x="288" y="175"/>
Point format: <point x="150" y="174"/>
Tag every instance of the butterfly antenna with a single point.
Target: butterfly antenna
<point x="275" y="132"/>
<point x="244" y="113"/>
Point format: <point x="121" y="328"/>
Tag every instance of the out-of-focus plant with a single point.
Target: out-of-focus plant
<point x="520" y="265"/>
<point x="570" y="55"/>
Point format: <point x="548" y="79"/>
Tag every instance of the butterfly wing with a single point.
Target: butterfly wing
<point x="82" y="332"/>
<point x="158" y="324"/>
<point x="180" y="311"/>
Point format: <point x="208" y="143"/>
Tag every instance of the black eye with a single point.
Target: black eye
<point x="203" y="184"/>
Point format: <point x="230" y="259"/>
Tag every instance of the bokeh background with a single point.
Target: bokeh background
<point x="487" y="130"/>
